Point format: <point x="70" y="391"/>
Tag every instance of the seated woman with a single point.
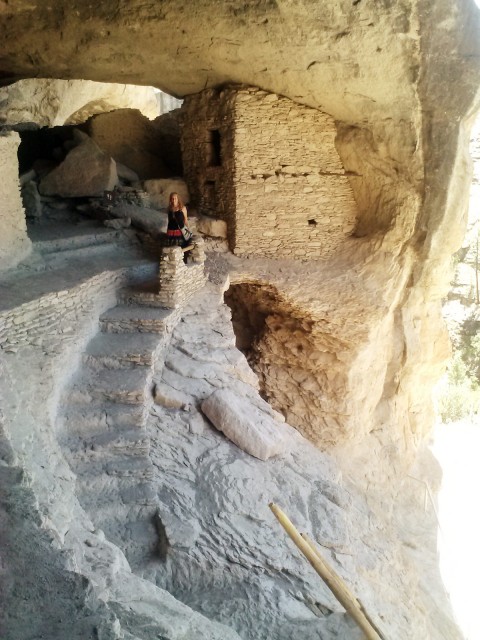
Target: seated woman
<point x="177" y="229"/>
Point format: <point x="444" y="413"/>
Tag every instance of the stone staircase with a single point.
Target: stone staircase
<point x="102" y="425"/>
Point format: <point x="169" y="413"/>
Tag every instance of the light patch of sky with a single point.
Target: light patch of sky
<point x="456" y="447"/>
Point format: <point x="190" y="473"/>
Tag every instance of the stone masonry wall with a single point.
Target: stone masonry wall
<point x="211" y="185"/>
<point x="53" y="319"/>
<point x="278" y="181"/>
<point x="14" y="242"/>
<point x="179" y="281"/>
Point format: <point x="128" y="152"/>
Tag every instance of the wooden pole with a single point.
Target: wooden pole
<point x="343" y="587"/>
<point x="331" y="579"/>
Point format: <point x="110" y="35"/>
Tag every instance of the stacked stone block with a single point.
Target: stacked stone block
<point x="178" y="280"/>
<point x="280" y="184"/>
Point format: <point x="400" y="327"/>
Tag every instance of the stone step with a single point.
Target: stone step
<point x="94" y="463"/>
<point x="131" y="319"/>
<point x="105" y="495"/>
<point x="144" y="294"/>
<point x="117" y="350"/>
<point x="95" y="419"/>
<point x="81" y="238"/>
<point x="125" y="386"/>
<point x="125" y="442"/>
<point x="91" y="252"/>
<point x="130" y="526"/>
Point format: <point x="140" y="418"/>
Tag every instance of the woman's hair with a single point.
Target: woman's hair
<point x="170" y="201"/>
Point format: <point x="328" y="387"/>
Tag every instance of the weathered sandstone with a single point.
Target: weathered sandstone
<point x="346" y="343"/>
<point x="14" y="242"/>
<point x="247" y="426"/>
<point x="52" y="103"/>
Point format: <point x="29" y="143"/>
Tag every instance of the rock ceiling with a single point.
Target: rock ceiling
<point x="358" y="60"/>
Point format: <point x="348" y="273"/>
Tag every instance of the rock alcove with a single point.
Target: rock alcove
<point x="297" y="365"/>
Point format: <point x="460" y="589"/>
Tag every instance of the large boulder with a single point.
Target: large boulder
<point x="131" y="139"/>
<point x="152" y="222"/>
<point x="86" y="171"/>
<point x="258" y="432"/>
<point x="160" y="190"/>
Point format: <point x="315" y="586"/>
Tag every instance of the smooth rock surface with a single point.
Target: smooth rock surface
<point x="53" y="103"/>
<point x="212" y="227"/>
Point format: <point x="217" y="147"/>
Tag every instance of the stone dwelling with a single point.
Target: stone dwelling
<point x="268" y="167"/>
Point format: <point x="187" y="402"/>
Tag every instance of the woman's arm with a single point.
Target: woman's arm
<point x="184" y="211"/>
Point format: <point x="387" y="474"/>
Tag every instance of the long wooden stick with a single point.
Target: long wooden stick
<point x="342" y="586"/>
<point x="339" y="589"/>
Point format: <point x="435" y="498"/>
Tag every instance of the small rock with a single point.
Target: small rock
<point x="31" y="200"/>
<point x="86" y="171"/>
<point x="170" y="398"/>
<point x="125" y="173"/>
<point x="197" y="424"/>
<point x="27" y="177"/>
<point x="118" y="223"/>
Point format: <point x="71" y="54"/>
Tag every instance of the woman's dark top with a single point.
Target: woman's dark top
<point x="176" y="220"/>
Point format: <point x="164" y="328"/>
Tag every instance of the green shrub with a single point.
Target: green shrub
<point x="460" y="397"/>
<point x="458" y="401"/>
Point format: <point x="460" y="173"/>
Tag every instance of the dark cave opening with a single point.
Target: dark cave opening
<point x="138" y="149"/>
<point x="297" y="366"/>
<point x="250" y="305"/>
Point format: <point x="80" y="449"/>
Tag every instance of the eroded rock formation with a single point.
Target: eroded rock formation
<point x="53" y="103"/>
<point x="15" y="243"/>
<point x="347" y="346"/>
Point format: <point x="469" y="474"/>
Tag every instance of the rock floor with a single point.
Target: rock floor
<point x="189" y="509"/>
<point x="158" y="485"/>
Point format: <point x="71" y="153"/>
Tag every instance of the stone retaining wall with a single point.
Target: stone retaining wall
<point x="179" y="281"/>
<point x="52" y="319"/>
<point x="269" y="168"/>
